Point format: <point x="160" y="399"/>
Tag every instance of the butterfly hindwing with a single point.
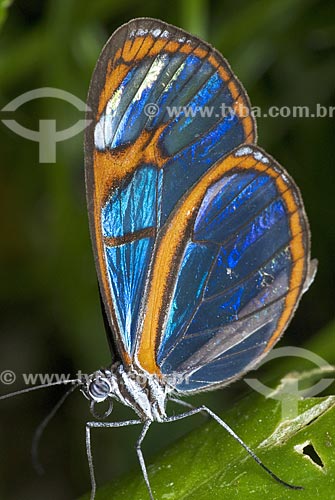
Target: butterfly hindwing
<point x="239" y="269"/>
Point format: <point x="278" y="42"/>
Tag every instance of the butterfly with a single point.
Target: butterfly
<point x="200" y="238"/>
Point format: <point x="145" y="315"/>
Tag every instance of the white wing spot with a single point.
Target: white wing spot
<point x="260" y="157"/>
<point x="243" y="151"/>
<point x="156" y="32"/>
<point x="142" y="32"/>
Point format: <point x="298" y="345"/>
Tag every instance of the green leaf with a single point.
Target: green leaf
<point x="208" y="463"/>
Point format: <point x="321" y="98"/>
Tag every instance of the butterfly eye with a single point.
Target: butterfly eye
<point x="99" y="389"/>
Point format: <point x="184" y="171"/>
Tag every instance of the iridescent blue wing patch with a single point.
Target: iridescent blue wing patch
<point x="147" y="145"/>
<point x="241" y="270"/>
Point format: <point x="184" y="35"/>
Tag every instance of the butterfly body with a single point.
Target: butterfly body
<point x="145" y="395"/>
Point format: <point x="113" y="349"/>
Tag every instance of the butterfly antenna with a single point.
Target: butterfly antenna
<point x="41" y="428"/>
<point x="75" y="381"/>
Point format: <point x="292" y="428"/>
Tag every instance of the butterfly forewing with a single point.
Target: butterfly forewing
<point x="149" y="142"/>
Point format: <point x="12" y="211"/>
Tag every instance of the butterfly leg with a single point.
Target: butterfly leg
<point x="186" y="405"/>
<point x="93" y="425"/>
<point x="141" y="458"/>
<point x="235" y="436"/>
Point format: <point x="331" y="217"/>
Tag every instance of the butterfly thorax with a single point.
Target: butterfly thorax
<point x="144" y="393"/>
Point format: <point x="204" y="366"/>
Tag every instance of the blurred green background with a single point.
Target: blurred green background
<point x="283" y="52"/>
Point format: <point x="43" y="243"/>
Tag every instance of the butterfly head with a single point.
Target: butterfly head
<point x="145" y="395"/>
<point x="98" y="388"/>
